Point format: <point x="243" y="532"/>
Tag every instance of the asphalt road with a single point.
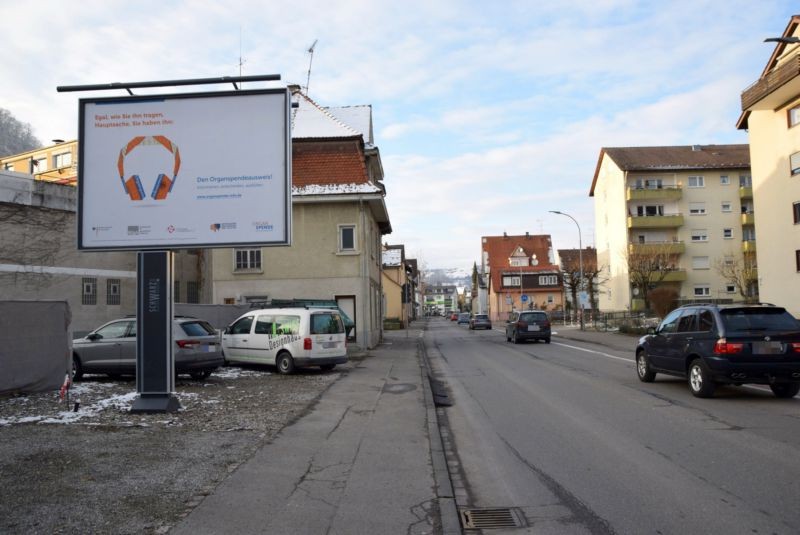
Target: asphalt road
<point x="565" y="435"/>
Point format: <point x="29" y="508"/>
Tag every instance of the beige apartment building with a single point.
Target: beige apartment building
<point x="687" y="209"/>
<point x="56" y="163"/>
<point x="771" y="115"/>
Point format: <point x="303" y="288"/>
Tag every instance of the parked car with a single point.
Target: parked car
<point x="454" y="316"/>
<point x="287" y="338"/>
<point x="480" y="321"/>
<point x="111" y="348"/>
<point x="463" y="317"/>
<point x="724" y="344"/>
<point x="528" y="325"/>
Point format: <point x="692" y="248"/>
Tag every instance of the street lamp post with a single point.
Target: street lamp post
<point x="580" y="261"/>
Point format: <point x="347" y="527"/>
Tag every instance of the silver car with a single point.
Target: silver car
<point x="111" y="349"/>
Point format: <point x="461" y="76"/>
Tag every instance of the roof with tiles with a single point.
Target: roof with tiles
<point x="501" y="248"/>
<point x="676" y="158"/>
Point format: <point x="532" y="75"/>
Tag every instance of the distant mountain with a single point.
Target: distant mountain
<point x="456" y="276"/>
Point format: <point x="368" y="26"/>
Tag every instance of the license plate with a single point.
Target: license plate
<point x="767" y="348"/>
<point x="533" y="327"/>
<point x="328" y="345"/>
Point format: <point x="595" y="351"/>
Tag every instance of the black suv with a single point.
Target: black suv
<point x="528" y="325"/>
<point x="729" y="344"/>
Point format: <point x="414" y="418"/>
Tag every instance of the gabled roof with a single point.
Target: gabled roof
<point x="675" y="158"/>
<point x="358" y="118"/>
<point x="501" y="248"/>
<point x="311" y="121"/>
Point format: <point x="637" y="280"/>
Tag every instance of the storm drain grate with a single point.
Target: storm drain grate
<point x="493" y="518"/>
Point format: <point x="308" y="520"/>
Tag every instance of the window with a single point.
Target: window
<point x="793" y="116"/>
<point x="248" y="259"/>
<point x="796" y="212"/>
<point x="745" y="181"/>
<point x="548" y="280"/>
<point x="176" y="292"/>
<point x="686" y="323"/>
<point x="794" y="162"/>
<point x="193" y="292"/>
<point x="699" y="235"/>
<point x="511" y="281"/>
<point x="550" y="299"/>
<point x="702" y="290"/>
<point x="62" y="160"/>
<point x="697" y="182"/>
<point x="653" y="183"/>
<point x="726" y="206"/>
<point x="697" y="208"/>
<point x="797" y="259"/>
<point x="748" y="234"/>
<point x="730" y="288"/>
<point x="242" y="326"/>
<point x="651" y="210"/>
<point x="113" y="291"/>
<point x="700" y="262"/>
<point x="670" y="323"/>
<point x="347" y="238"/>
<point x="89" y="292"/>
<point x="727" y="233"/>
<point x="517" y="261"/>
<point x="724" y="180"/>
<point x="39" y="165"/>
<point x="706" y="321"/>
<point x="8" y="166"/>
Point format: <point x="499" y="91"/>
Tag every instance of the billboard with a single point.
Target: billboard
<point x="185" y="171"/>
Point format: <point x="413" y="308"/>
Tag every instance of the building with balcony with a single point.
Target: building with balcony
<point x="56" y="163"/>
<point x="686" y="208"/>
<point x="771" y="116"/>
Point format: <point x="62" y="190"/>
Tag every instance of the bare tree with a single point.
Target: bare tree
<point x="738" y="271"/>
<point x="15" y="136"/>
<point x="648" y="267"/>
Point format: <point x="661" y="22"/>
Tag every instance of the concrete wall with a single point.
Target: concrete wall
<point x="34" y="345"/>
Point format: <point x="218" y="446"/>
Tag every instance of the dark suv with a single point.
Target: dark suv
<point x="528" y="325"/>
<point x="729" y="344"/>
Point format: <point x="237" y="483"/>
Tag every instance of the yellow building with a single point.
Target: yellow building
<point x="396" y="292"/>
<point x="56" y="163"/>
<point x="771" y="115"/>
<point x="689" y="208"/>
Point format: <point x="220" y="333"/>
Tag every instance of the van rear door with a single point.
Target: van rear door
<point x="327" y="335"/>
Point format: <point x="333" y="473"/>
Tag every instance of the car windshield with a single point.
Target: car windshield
<point x="326" y="324"/>
<point x="758" y="319"/>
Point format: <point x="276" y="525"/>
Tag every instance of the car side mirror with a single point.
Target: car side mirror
<point x="652" y="330"/>
<point x="93" y="336"/>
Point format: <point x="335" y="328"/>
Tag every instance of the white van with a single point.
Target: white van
<point x="287" y="338"/>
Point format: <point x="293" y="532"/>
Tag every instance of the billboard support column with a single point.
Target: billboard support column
<point x="155" y="362"/>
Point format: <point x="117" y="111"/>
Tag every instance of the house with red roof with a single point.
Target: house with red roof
<point x="522" y="274"/>
<point x="338" y="219"/>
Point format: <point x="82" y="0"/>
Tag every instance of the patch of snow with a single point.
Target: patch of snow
<point x="336" y="189"/>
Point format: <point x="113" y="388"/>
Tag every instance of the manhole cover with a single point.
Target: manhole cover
<point x="491" y="518"/>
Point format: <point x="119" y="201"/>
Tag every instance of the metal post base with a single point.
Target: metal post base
<point x="150" y="403"/>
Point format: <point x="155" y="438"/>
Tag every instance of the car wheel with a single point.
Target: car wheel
<point x="199" y="376"/>
<point x="547" y="340"/>
<point x="516" y="338"/>
<point x="785" y="390"/>
<point x="327" y="367"/>
<point x="285" y="363"/>
<point x="77" y="369"/>
<point x="508" y="338"/>
<point x="646" y="375"/>
<point x="700" y="382"/>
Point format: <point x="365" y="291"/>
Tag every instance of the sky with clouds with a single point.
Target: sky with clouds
<point x="487" y="115"/>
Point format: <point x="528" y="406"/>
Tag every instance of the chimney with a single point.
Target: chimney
<point x="505" y="235"/>
<point x="527" y="235"/>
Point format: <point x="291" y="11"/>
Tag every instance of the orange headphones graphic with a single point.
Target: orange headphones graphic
<point x="133" y="186"/>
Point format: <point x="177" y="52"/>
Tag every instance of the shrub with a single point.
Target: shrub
<point x="663" y="300"/>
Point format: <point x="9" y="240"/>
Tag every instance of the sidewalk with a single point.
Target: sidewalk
<point x="358" y="462"/>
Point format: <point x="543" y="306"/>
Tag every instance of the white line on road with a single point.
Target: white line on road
<point x="593" y="351"/>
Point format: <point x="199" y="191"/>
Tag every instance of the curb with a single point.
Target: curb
<point x="448" y="512"/>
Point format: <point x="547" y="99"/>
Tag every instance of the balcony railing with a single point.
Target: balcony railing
<point x="748" y="218"/>
<point x="745" y="192"/>
<point x="749" y="246"/>
<point x="655" y="221"/>
<point x="668" y="247"/>
<point x="675" y="275"/>
<point x="668" y="193"/>
<point x="771" y="82"/>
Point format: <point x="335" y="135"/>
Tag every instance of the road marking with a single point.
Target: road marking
<point x="593" y="351"/>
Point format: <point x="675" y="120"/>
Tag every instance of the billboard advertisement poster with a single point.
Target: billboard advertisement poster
<point x="185" y="171"/>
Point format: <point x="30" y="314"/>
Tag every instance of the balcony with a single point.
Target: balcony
<point x="676" y="275"/>
<point x="745" y="192"/>
<point x="655" y="221"/>
<point x="748" y="218"/>
<point x="771" y="83"/>
<point x="668" y="247"/>
<point x="670" y="193"/>
<point x="748" y="246"/>
<point x="751" y="274"/>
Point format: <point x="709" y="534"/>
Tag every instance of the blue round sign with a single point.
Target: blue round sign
<point x="524" y="298"/>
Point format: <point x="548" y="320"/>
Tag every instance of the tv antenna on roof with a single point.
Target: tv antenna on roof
<point x="310" y="59"/>
<point x="241" y="61"/>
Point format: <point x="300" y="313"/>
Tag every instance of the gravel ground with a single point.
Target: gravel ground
<point x="104" y="470"/>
